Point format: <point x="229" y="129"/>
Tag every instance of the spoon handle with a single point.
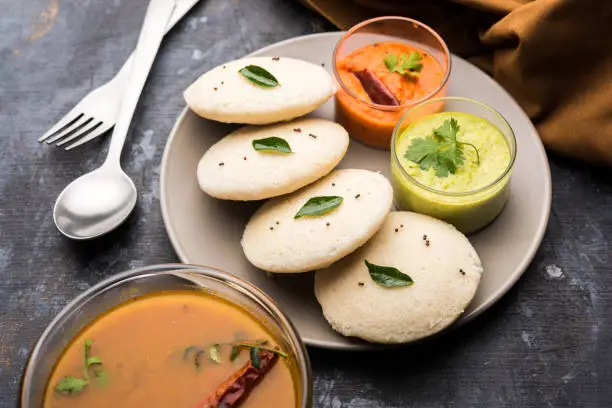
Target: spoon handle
<point x="151" y="36"/>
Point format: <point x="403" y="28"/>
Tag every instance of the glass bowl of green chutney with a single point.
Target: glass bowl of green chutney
<point x="454" y="165"/>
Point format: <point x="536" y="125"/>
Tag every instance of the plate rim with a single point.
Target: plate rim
<point x="497" y="295"/>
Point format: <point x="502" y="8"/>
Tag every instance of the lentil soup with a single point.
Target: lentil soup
<point x="174" y="349"/>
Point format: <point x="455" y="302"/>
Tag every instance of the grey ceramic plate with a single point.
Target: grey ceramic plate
<point x="207" y="231"/>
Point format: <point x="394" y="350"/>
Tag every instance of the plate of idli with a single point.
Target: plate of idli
<point x="258" y="180"/>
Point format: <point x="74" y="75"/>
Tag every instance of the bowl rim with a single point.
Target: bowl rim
<point x="513" y="148"/>
<point x="377" y="106"/>
<point x="231" y="280"/>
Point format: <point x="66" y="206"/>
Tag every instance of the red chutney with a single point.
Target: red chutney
<point x="372" y="123"/>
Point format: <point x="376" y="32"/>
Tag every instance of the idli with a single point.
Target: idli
<point x="422" y="275"/>
<point x="319" y="224"/>
<point x="239" y="92"/>
<point x="258" y="162"/>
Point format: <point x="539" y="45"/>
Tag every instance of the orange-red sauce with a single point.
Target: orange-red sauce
<point x="142" y="347"/>
<point x="374" y="125"/>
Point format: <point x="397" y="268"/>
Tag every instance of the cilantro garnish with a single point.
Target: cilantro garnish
<point x="441" y="151"/>
<point x="75" y="385"/>
<point x="405" y="64"/>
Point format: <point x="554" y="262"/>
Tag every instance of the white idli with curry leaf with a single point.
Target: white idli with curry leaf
<point x="258" y="162"/>
<point x="319" y="224"/>
<point x="413" y="279"/>
<point x="259" y="90"/>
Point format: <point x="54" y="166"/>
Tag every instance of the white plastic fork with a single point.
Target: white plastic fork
<point x="97" y="112"/>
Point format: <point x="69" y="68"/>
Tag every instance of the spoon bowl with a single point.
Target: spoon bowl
<point x="95" y="203"/>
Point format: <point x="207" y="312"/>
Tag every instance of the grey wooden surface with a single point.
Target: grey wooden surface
<point x="548" y="343"/>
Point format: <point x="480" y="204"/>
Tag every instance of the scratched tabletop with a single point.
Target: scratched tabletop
<point x="547" y="343"/>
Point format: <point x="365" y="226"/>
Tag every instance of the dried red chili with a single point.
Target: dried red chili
<point x="239" y="385"/>
<point x="375" y="88"/>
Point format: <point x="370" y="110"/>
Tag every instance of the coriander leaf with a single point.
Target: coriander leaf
<point x="428" y="154"/>
<point x="319" y="205"/>
<point x="214" y="353"/>
<point x="448" y="130"/>
<point x="93" y="361"/>
<point x="449" y="158"/>
<point x="255" y="358"/>
<point x="409" y="64"/>
<point x="234" y="353"/>
<point x="388" y="276"/>
<point x="391" y="61"/>
<point x="272" y="144"/>
<point x="74" y="385"/>
<point x="259" y="76"/>
<point x="422" y="148"/>
<point x="70" y="385"/>
<point x="442" y="151"/>
<point x="473" y="147"/>
<point x="412" y="63"/>
<point x="87" y="348"/>
<point x="450" y="155"/>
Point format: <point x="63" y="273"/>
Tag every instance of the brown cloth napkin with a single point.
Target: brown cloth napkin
<point x="553" y="56"/>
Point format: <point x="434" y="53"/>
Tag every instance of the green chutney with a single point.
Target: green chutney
<point x="471" y="197"/>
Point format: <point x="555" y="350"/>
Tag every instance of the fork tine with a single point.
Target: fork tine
<point x="63" y="124"/>
<point x="74" y="127"/>
<point x="92" y="135"/>
<point x="79" y="134"/>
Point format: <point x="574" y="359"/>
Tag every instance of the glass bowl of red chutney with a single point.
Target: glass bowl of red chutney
<point x="383" y="67"/>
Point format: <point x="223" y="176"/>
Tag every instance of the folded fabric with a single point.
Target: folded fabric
<point x="553" y="56"/>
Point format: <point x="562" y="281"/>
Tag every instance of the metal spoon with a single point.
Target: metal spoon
<point x="98" y="202"/>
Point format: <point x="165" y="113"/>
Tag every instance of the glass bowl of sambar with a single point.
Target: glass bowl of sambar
<point x="169" y="335"/>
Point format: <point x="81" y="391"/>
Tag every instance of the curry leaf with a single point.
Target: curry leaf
<point x="234" y="353"/>
<point x="319" y="205"/>
<point x="272" y="144"/>
<point x="214" y="353"/>
<point x="388" y="276"/>
<point x="197" y="359"/>
<point x="255" y="358"/>
<point x="259" y="76"/>
<point x="194" y="353"/>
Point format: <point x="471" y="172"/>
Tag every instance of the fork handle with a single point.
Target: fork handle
<point x="182" y="8"/>
<point x="151" y="36"/>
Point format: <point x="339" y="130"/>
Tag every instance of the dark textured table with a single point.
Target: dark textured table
<point x="547" y="343"/>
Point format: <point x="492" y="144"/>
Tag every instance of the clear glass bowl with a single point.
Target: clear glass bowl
<point x="371" y="123"/>
<point x="469" y="211"/>
<point x="158" y="278"/>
